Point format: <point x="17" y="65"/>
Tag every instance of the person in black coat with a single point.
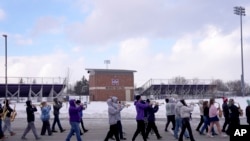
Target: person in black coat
<point x="248" y="111"/>
<point x="234" y="117"/>
<point x="225" y="114"/>
<point x="56" y="111"/>
<point x="151" y="119"/>
<point x="30" y="109"/>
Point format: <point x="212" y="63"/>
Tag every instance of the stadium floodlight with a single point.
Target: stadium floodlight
<point x="238" y="10"/>
<point x="107" y="62"/>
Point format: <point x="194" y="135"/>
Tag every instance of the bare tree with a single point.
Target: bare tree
<point x="221" y="86"/>
<point x="235" y="86"/>
<point x="180" y="80"/>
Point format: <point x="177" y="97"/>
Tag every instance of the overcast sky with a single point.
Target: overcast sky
<point x="160" y="39"/>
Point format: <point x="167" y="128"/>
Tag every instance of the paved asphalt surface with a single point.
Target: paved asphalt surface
<point x="98" y="129"/>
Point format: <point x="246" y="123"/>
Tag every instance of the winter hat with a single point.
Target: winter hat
<point x="225" y="99"/>
<point x="137" y="97"/>
<point x="78" y="101"/>
<point x="248" y="102"/>
<point x="28" y="103"/>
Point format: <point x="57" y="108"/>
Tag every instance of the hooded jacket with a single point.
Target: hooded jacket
<point x="234" y="113"/>
<point x="74" y="111"/>
<point x="30" y="111"/>
<point x="151" y="112"/>
<point x="140" y="107"/>
<point x="200" y="103"/>
<point x="56" y="107"/>
<point x="225" y="109"/>
<point x="170" y="108"/>
<point x="117" y="105"/>
<point x="178" y="110"/>
<point x="186" y="110"/>
<point x="112" y="112"/>
<point x="45" y="115"/>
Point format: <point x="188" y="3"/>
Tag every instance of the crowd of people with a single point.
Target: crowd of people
<point x="75" y="119"/>
<point x="178" y="112"/>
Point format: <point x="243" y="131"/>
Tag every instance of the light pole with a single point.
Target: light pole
<point x="6" y="81"/>
<point x="107" y="62"/>
<point x="238" y="10"/>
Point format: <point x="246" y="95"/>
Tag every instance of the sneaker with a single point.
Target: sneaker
<point x="158" y="138"/>
<point x="223" y="135"/>
<point x="12" y="133"/>
<point x="23" y="138"/>
<point x="63" y="130"/>
<point x="202" y="133"/>
<point x="85" y="131"/>
<point x="209" y="135"/>
<point x="54" y="131"/>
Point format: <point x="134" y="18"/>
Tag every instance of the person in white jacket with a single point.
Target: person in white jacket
<point x="185" y="115"/>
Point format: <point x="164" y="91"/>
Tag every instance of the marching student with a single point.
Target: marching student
<point x="140" y="107"/>
<point x="170" y="113"/>
<point x="81" y="115"/>
<point x="45" y="117"/>
<point x="185" y="115"/>
<point x="206" y="119"/>
<point x="113" y="110"/>
<point x="200" y="104"/>
<point x="30" y="109"/>
<point x="78" y="103"/>
<point x="213" y="118"/>
<point x="234" y="117"/>
<point x="7" y="110"/>
<point x="74" y="120"/>
<point x="56" y="111"/>
<point x="248" y="111"/>
<point x="1" y="114"/>
<point x="225" y="114"/>
<point x="118" y="116"/>
<point x="151" y="118"/>
<point x="178" y="121"/>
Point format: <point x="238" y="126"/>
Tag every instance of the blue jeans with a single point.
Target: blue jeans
<point x="178" y="124"/>
<point x="206" y="124"/>
<point x="74" y="129"/>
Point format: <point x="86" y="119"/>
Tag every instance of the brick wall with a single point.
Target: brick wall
<point x="101" y="86"/>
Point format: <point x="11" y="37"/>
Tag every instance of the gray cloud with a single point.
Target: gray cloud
<point x="112" y="20"/>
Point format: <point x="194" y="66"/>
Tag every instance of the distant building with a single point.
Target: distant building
<point x="104" y="83"/>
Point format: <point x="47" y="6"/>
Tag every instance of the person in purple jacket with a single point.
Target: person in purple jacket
<point x="140" y="107"/>
<point x="74" y="120"/>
